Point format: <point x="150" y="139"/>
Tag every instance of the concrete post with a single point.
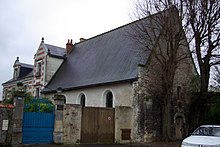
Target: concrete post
<point x="17" y="118"/>
<point x="59" y="101"/>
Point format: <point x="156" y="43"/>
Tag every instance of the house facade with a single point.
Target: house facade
<point x="21" y="73"/>
<point x="47" y="60"/>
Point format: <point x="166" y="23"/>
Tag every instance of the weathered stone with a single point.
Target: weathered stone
<point x="18" y="119"/>
<point x="6" y="135"/>
<point x="58" y="137"/>
<point x="123" y="120"/>
<point x="72" y="123"/>
<point x="59" y="101"/>
<point x="147" y="98"/>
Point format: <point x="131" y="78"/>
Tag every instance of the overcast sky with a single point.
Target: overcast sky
<point x="24" y="22"/>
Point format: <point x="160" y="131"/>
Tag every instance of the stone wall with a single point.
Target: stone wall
<point x="147" y="101"/>
<point x="6" y="126"/>
<point x="72" y="123"/>
<point x="123" y="121"/>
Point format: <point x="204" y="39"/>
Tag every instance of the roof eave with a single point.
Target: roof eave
<point x="88" y="86"/>
<point x="19" y="79"/>
<point x="56" y="56"/>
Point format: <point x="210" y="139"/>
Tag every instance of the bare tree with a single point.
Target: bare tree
<point x="162" y="35"/>
<point x="201" y="22"/>
<point x="203" y="17"/>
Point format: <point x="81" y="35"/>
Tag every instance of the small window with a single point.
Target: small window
<point x="38" y="73"/>
<point x="83" y="100"/>
<point x="37" y="92"/>
<point x="13" y="90"/>
<point x="16" y="73"/>
<point x="25" y="88"/>
<point x="109" y="99"/>
<point x="5" y="94"/>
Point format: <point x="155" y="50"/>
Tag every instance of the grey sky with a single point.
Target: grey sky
<point x="24" y="22"/>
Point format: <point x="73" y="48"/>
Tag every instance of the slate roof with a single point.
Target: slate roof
<point x="55" y="51"/>
<point x="26" y="65"/>
<point x="26" y="70"/>
<point x="111" y="57"/>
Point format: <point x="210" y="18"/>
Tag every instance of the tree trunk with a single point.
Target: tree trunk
<point x="166" y="119"/>
<point x="167" y="85"/>
<point x="205" y="69"/>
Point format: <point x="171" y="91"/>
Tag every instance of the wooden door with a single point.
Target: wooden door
<point x="98" y="125"/>
<point x="89" y="125"/>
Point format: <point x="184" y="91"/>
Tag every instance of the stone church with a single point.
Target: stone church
<point x="110" y="70"/>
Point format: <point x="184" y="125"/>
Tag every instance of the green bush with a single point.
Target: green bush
<point x="28" y="96"/>
<point x="41" y="105"/>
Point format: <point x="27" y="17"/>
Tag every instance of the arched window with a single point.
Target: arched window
<point x="83" y="100"/>
<point x="109" y="99"/>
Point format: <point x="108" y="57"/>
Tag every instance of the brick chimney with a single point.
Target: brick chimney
<point x="69" y="46"/>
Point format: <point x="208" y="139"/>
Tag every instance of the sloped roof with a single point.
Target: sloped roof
<point x="26" y="70"/>
<point x="26" y="65"/>
<point x="55" y="51"/>
<point x="110" y="57"/>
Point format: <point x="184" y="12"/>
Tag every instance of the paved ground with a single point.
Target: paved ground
<point x="155" y="144"/>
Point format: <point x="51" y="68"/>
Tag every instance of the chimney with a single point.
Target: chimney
<point x="69" y="46"/>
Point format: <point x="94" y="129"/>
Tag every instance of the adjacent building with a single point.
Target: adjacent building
<point x="47" y="60"/>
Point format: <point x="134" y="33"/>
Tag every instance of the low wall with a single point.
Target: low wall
<point x="6" y="126"/>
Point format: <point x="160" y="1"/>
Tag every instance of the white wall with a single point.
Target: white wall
<point x="52" y="65"/>
<point x="95" y="96"/>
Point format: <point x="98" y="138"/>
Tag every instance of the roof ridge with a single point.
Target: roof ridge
<point x="54" y="45"/>
<point x="25" y="64"/>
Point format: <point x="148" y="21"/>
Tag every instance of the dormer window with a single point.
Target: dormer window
<point x="15" y="73"/>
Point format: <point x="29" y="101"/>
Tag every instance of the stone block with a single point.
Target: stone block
<point x="58" y="137"/>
